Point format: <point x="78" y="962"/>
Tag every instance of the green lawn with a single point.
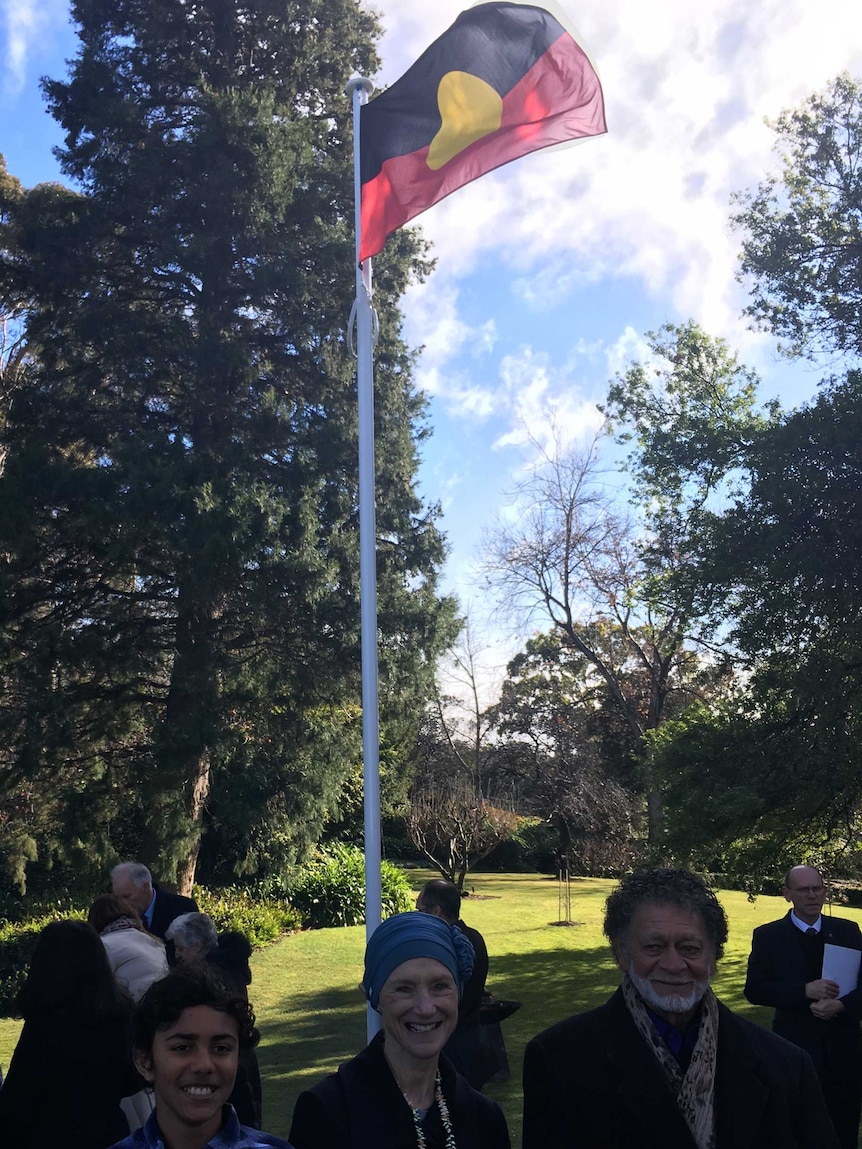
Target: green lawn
<point x="312" y="1017"/>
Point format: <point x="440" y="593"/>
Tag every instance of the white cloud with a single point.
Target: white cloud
<point x="20" y="20"/>
<point x="433" y="311"/>
<point x="631" y="347"/>
<point x="434" y="321"/>
<point x="27" y="27"/>
<point x="546" y="406"/>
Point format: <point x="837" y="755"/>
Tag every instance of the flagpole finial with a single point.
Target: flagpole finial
<point x="361" y="83"/>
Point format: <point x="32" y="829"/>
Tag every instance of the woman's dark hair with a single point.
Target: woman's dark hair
<point x="70" y="971"/>
<point x="230" y="961"/>
<point x="184" y="988"/>
<point x="107" y="908"/>
<point x="673" y="887"/>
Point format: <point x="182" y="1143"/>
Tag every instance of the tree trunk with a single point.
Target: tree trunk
<point x="196" y="802"/>
<point x="184" y="758"/>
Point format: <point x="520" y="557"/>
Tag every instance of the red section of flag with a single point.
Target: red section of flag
<point x="558" y="99"/>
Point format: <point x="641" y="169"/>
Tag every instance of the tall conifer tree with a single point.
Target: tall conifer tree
<point x="183" y="551"/>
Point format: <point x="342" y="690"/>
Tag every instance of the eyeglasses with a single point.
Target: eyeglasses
<point x="805" y="889"/>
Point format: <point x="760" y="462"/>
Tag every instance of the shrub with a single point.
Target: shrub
<point x="330" y="890"/>
<point x="532" y="849"/>
<point x="50" y="894"/>
<point x="262" y="919"/>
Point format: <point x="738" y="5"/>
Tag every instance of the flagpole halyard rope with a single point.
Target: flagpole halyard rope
<point x="351" y="327"/>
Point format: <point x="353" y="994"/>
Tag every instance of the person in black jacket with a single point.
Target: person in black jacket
<point x="466" y="1048"/>
<point x="157" y="907"/>
<point x="73" y="1062"/>
<point x="400" y="1091"/>
<point x="785" y="970"/>
<point x="663" y="1064"/>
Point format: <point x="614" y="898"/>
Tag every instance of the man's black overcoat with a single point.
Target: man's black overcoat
<point x="591" y="1082"/>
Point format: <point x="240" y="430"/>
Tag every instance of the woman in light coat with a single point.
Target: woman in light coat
<point x="136" y="957"/>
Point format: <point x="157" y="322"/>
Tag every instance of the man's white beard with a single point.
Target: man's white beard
<point x="669" y="1002"/>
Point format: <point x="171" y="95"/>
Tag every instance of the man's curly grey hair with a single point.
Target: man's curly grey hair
<point x="673" y="887"/>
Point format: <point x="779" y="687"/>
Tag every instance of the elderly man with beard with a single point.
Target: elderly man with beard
<point x="663" y="1064"/>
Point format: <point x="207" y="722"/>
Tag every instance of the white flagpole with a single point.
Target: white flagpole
<point x="359" y="88"/>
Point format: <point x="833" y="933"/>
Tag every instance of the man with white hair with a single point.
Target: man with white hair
<point x="663" y="1064"/>
<point x="156" y="907"/>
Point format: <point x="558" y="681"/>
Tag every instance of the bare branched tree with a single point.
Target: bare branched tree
<point x="574" y="559"/>
<point x="453" y="830"/>
<point x="455" y="818"/>
<point x="462" y="714"/>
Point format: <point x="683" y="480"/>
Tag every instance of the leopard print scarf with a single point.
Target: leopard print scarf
<point x="695" y="1090"/>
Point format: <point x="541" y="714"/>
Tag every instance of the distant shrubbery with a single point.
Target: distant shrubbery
<point x="532" y="849"/>
<point x="261" y="919"/>
<point x="330" y="891"/>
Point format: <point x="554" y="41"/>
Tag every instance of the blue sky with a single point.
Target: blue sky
<point x="550" y="270"/>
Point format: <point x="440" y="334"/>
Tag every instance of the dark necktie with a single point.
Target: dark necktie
<point x="811" y="932"/>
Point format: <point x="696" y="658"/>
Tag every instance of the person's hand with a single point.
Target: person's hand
<point x="826" y="1008"/>
<point x="821" y="989"/>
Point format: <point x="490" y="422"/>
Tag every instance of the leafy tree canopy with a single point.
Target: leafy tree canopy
<point x="802" y="228"/>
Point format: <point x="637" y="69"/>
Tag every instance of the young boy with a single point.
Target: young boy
<point x="189" y="1033"/>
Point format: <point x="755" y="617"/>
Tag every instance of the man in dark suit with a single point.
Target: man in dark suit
<point x="466" y="1048"/>
<point x="785" y="970"/>
<point x="663" y="1065"/>
<point x="157" y="907"/>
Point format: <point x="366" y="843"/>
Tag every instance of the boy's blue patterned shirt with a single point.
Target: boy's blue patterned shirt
<point x="232" y="1135"/>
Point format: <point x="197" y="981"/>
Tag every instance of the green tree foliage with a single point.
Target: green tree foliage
<point x="791" y="548"/>
<point x="179" y="504"/>
<point x="15" y="360"/>
<point x="687" y="417"/>
<point x="802" y="228"/>
<point x="687" y="414"/>
<point x="777" y="775"/>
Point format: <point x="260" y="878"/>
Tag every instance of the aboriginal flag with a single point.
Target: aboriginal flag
<point x="504" y="80"/>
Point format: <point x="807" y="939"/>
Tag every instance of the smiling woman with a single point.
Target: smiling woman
<point x="400" y="1092"/>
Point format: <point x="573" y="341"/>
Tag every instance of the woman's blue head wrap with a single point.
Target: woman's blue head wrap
<point x="414" y="935"/>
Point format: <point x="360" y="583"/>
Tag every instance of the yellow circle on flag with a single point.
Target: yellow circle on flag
<point x="470" y="109"/>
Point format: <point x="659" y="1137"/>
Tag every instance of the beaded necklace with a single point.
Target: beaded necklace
<point x="444" y="1117"/>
